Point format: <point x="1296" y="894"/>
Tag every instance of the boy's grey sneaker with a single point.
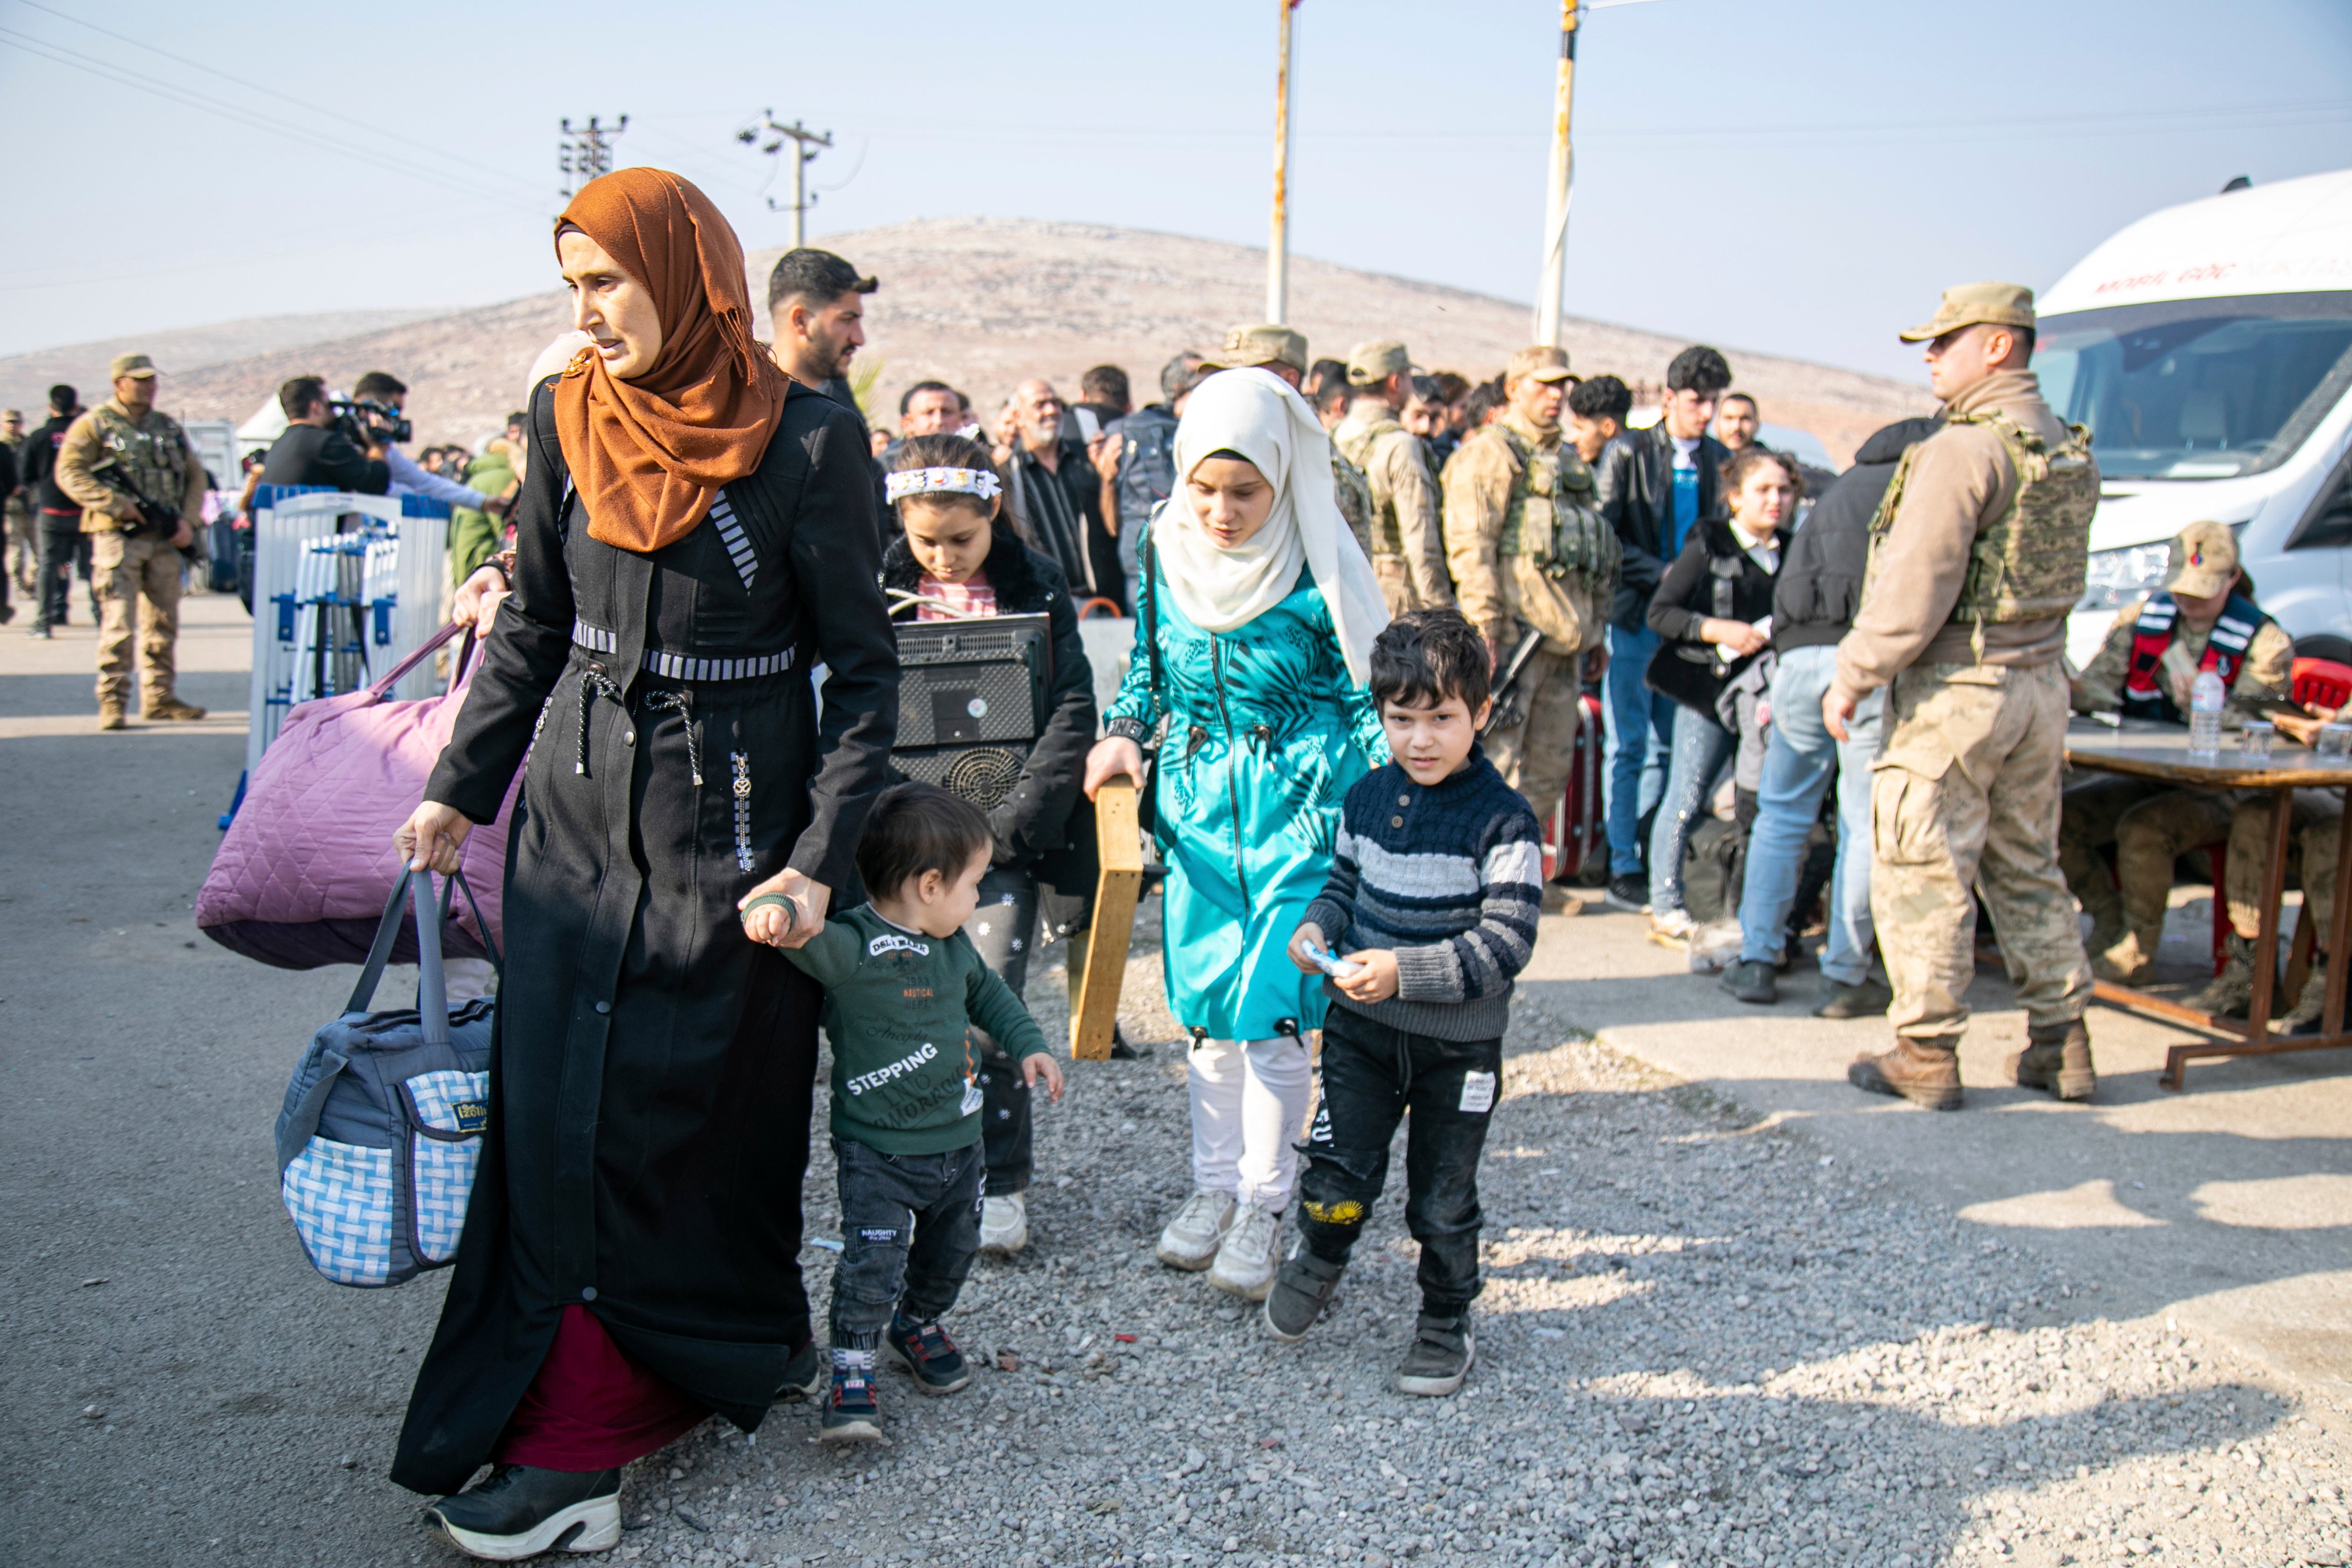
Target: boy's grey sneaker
<point x="1302" y="1289"/>
<point x="926" y="1351"/>
<point x="1870" y="999"/>
<point x="521" y="1511"/>
<point x="804" y="1376"/>
<point x="1443" y="1350"/>
<point x="1198" y="1229"/>
<point x="1750" y="980"/>
<point x="1629" y="892"/>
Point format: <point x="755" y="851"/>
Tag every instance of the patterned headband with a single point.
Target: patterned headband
<point x="980" y="483"/>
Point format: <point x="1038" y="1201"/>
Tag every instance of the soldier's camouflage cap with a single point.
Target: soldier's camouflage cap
<point x="1263" y="344"/>
<point x="1965" y="304"/>
<point x="1541" y="361"/>
<point x="1368" y="365"/>
<point x="129" y="364"/>
<point x="2204" y="559"/>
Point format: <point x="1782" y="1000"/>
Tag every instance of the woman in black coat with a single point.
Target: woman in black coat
<point x="695" y="533"/>
<point x="955" y="557"/>
<point x="1713" y="611"/>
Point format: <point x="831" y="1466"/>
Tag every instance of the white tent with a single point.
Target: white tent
<point x="268" y="424"/>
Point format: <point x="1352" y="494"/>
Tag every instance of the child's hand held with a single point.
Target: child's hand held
<point x="1309" y="936"/>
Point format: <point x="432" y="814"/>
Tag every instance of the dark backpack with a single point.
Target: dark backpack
<point x="1146" y="465"/>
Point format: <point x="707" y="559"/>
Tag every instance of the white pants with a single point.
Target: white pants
<point x="1249" y="1110"/>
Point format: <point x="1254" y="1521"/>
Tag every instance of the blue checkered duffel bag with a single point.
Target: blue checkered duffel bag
<point x="382" y="1123"/>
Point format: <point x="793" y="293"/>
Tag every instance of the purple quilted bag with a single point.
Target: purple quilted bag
<point x="303" y="872"/>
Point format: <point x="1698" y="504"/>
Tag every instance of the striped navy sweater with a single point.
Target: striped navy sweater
<point x="1451" y="878"/>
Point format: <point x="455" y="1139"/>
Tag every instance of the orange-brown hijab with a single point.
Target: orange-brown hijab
<point x="648" y="455"/>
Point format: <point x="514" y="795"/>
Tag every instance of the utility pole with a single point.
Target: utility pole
<point x="1563" y="174"/>
<point x="1278" y="250"/>
<point x="802" y="140"/>
<point x="588" y="153"/>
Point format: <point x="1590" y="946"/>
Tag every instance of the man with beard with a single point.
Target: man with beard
<point x="1057" y="493"/>
<point x="816" y="312"/>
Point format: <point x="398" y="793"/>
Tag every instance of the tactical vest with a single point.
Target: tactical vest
<point x="1353" y="491"/>
<point x="2030" y="562"/>
<point x="2145" y="697"/>
<point x="149" y="461"/>
<point x="1553" y="517"/>
<point x="1387" y="535"/>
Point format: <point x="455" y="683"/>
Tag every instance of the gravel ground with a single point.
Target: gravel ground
<point x="1701" y="1342"/>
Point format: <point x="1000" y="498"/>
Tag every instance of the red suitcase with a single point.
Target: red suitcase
<point x="1577" y="830"/>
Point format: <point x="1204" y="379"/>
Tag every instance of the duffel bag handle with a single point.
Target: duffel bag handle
<point x="425" y="650"/>
<point x="432" y="983"/>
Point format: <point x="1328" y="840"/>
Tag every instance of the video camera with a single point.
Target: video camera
<point x="364" y="422"/>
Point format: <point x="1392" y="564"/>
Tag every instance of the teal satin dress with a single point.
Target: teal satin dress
<point x="1266" y="731"/>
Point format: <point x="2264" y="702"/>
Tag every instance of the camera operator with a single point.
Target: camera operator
<point x="317" y="450"/>
<point x="379" y="403"/>
<point x="140" y="486"/>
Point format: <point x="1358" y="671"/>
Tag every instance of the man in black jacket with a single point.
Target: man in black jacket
<point x="64" y="547"/>
<point x="1654" y="486"/>
<point x="1812" y="604"/>
<point x="313" y="452"/>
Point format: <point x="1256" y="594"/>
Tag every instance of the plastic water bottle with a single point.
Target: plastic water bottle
<point x="2205" y="696"/>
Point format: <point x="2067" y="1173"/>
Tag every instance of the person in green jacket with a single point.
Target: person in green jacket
<point x="904" y="988"/>
<point x="474" y="536"/>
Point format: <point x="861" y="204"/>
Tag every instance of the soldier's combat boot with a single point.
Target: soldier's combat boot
<point x="111" y="715"/>
<point x="2057" y="1060"/>
<point x="170" y="707"/>
<point x="1923" y="1071"/>
<point x="2232" y="994"/>
<point x="2129" y="960"/>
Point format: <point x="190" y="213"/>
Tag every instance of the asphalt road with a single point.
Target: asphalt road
<point x="178" y="1385"/>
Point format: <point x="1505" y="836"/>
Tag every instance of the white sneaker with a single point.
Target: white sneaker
<point x="1191" y="1238"/>
<point x="1246" y="1263"/>
<point x="1004" y="1224"/>
<point x="1672" y="928"/>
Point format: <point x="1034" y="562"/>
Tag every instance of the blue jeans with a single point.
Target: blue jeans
<point x="1703" y="748"/>
<point x="1640" y="731"/>
<point x="1798" y="758"/>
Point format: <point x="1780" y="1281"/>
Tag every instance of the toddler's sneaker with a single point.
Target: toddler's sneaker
<point x="1193" y="1238"/>
<point x="521" y="1511"/>
<point x="927" y="1352"/>
<point x="1302" y="1289"/>
<point x="1004" y="1224"/>
<point x="1244" y="1263"/>
<point x="1443" y="1350"/>
<point x="852" y="1414"/>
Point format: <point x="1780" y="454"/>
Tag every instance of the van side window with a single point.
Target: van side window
<point x="2328" y="524"/>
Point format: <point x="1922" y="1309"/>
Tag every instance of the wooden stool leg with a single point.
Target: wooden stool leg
<point x="2219" y="853"/>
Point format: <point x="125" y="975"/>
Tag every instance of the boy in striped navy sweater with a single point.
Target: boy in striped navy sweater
<point x="1433" y="898"/>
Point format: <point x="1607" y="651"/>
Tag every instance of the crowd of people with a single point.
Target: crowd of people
<point x="1376" y="610"/>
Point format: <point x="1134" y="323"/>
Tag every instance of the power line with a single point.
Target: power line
<point x="373" y="131"/>
<point x="123" y="75"/>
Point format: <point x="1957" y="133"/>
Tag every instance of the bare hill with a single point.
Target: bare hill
<point x="25" y="378"/>
<point x="983" y="302"/>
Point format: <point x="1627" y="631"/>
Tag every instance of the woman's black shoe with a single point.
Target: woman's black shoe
<point x="522" y="1511"/>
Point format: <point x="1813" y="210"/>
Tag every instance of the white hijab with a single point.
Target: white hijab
<point x="1253" y="413"/>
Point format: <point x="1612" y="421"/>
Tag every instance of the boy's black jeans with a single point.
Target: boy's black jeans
<point x="1372" y="1075"/>
<point x="909" y="1229"/>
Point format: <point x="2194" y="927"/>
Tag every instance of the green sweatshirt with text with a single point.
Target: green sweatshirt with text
<point x="898" y="1005"/>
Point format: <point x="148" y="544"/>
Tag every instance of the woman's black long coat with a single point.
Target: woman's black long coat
<point x="650" y="1100"/>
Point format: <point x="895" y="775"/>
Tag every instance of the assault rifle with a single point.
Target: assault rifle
<point x="1510" y="709"/>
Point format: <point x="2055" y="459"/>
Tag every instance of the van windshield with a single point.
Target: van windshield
<point x="2198" y="389"/>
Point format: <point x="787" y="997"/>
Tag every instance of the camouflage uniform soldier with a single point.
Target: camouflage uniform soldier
<point x="1281" y="352"/>
<point x="2199" y="620"/>
<point x="128" y="466"/>
<point x="1408" y="550"/>
<point x="1531" y="555"/>
<point x="1978" y="553"/>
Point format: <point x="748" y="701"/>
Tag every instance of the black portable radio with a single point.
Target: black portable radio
<point x="971" y="699"/>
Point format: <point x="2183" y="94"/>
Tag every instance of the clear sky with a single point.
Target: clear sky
<point x="1801" y="177"/>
